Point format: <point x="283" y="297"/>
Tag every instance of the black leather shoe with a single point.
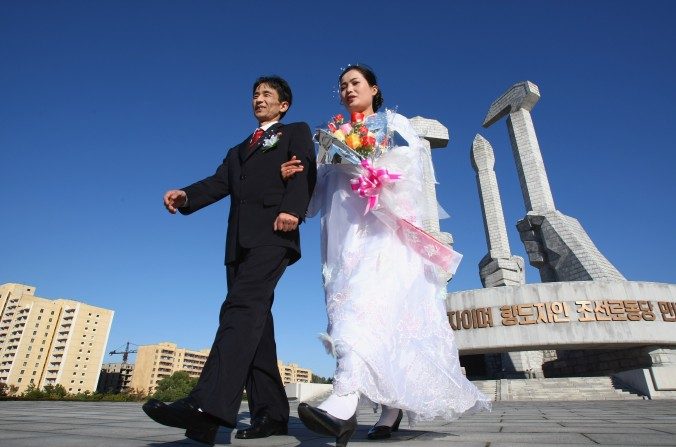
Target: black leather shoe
<point x="184" y="413"/>
<point x="262" y="427"/>
<point x="319" y="421"/>
<point x="383" y="431"/>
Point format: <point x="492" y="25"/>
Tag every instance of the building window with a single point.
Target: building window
<point x="19" y="380"/>
<point x="42" y="310"/>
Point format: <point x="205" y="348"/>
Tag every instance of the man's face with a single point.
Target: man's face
<point x="266" y="104"/>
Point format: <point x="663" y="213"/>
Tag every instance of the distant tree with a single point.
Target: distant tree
<point x="55" y="392"/>
<point x="33" y="393"/>
<point x="175" y="387"/>
<point x="58" y="392"/>
<point x="319" y="379"/>
<point x="7" y="390"/>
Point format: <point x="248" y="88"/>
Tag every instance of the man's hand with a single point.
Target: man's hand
<point x="175" y="199"/>
<point x="285" y="222"/>
<point x="290" y="168"/>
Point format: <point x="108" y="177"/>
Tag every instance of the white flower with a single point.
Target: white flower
<point x="270" y="142"/>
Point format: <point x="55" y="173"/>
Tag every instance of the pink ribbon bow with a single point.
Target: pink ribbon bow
<point x="370" y="184"/>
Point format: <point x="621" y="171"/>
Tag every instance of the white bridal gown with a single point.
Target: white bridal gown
<point x="388" y="326"/>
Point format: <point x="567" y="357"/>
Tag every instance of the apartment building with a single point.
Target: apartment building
<point x="293" y="373"/>
<point x="155" y="362"/>
<point x="49" y="342"/>
<point x="115" y="377"/>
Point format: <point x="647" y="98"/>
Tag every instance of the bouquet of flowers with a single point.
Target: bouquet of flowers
<point x="361" y="142"/>
<point x="354" y="134"/>
<point x="354" y="141"/>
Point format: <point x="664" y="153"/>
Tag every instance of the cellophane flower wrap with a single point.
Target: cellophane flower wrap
<point x="355" y="140"/>
<point x="389" y="171"/>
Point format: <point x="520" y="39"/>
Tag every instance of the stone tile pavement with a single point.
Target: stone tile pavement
<point x="553" y="423"/>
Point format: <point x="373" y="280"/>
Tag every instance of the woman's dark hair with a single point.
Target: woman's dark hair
<point x="370" y="77"/>
<point x="281" y="87"/>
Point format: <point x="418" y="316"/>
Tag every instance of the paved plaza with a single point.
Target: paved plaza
<point x="553" y="423"/>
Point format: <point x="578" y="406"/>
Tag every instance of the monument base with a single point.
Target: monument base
<point x="655" y="382"/>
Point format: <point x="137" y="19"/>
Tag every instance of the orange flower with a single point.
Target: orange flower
<point x="352" y="141"/>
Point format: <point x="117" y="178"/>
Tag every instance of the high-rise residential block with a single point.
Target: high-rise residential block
<point x="115" y="377"/>
<point x="50" y="342"/>
<point x="292" y="373"/>
<point x="155" y="362"/>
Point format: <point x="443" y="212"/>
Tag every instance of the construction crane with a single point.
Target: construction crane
<point x="125" y="353"/>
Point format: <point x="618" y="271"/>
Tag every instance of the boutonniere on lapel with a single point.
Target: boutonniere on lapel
<point x="270" y="142"/>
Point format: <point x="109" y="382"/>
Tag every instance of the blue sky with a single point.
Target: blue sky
<point x="105" y="105"/>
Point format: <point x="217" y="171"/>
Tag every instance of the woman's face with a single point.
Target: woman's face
<point x="356" y="93"/>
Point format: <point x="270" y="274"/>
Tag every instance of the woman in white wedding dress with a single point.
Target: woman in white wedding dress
<point x="388" y="326"/>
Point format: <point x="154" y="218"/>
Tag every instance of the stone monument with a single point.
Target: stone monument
<point x="599" y="323"/>
<point x="556" y="244"/>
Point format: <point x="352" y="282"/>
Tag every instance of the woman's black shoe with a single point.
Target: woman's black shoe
<point x="319" y="421"/>
<point x="383" y="431"/>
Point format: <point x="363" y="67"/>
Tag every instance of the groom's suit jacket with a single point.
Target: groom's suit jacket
<point x="251" y="177"/>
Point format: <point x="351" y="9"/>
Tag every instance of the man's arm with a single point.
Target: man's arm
<point x="299" y="188"/>
<point x="207" y="191"/>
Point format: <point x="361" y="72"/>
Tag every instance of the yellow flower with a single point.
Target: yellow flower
<point x="353" y="141"/>
<point x="339" y="135"/>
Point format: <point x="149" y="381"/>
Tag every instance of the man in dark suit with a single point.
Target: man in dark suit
<point x="262" y="240"/>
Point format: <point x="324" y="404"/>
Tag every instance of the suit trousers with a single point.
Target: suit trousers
<point x="244" y="353"/>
